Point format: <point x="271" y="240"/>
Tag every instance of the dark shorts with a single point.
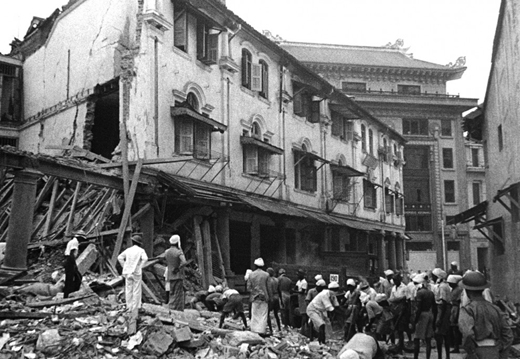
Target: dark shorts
<point x="424" y="327"/>
<point x="274" y="304"/>
<point x="234" y="303"/>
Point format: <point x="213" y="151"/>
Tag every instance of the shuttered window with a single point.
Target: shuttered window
<point x="264" y="92"/>
<point x="180" y="31"/>
<point x="369" y="194"/>
<point x="247" y="59"/>
<point x="256" y="77"/>
<point x="192" y="138"/>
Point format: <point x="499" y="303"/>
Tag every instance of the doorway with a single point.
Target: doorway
<point x="240" y="246"/>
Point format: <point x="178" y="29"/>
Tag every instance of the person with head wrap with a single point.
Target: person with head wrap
<point x="232" y="303"/>
<point x="274" y="301"/>
<point x="175" y="262"/>
<point x="314" y="291"/>
<point x="454" y="281"/>
<point x="485" y="330"/>
<point x="386" y="283"/>
<point x="399" y="302"/>
<point x="260" y="296"/>
<point x="73" y="277"/>
<point x="442" y="318"/>
<point x="352" y="305"/>
<point x="200" y="297"/>
<point x="423" y="318"/>
<point x="285" y="286"/>
<point x="214" y="301"/>
<point x="454" y="269"/>
<point x="317" y="310"/>
<point x="132" y="260"/>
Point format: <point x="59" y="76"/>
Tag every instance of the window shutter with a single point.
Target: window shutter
<point x="298" y="104"/>
<point x="180" y="31"/>
<point x="245" y="70"/>
<point x="338" y="186"/>
<point x="186" y="136"/>
<point x="350" y="130"/>
<point x="213" y="48"/>
<point x="315" y="111"/>
<point x="202" y="140"/>
<point x="336" y="125"/>
<point x="251" y="159"/>
<point x="256" y="79"/>
<point x="263" y="162"/>
<point x="201" y="40"/>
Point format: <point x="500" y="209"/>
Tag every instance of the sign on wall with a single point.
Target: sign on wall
<point x="334" y="278"/>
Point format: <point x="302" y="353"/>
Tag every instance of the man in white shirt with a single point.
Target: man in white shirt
<point x="325" y="301"/>
<point x="399" y="302"/>
<point x="132" y="260"/>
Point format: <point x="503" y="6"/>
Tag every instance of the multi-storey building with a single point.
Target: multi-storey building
<point x="409" y="95"/>
<point x="265" y="155"/>
<point x="499" y="217"/>
<point x="10" y="99"/>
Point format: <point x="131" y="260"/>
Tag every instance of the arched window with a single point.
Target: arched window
<point x="265" y="79"/>
<point x="363" y="138"/>
<point x="193" y="101"/>
<point x="247" y="60"/>
<point x="255" y="131"/>
<point x="304" y="171"/>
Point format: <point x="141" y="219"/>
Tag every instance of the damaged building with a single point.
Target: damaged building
<point x="239" y="147"/>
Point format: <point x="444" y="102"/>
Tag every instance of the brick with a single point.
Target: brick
<point x="182" y="334"/>
<point x="87" y="258"/>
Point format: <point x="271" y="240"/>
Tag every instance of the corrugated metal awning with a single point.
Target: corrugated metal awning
<point x="177" y="111"/>
<point x="346" y="170"/>
<point x="247" y="140"/>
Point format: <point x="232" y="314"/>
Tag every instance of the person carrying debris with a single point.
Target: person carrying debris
<point x="260" y="295"/>
<point x="274" y="300"/>
<point x="325" y="302"/>
<point x="285" y="285"/>
<point x="175" y="261"/>
<point x="485" y="331"/>
<point x="232" y="303"/>
<point x="214" y="301"/>
<point x="200" y="297"/>
<point x="132" y="260"/>
<point x="72" y="275"/>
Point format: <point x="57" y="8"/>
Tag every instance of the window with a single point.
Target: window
<point x="449" y="191"/>
<point x="500" y="138"/>
<point x="265" y="79"/>
<point x="446" y="128"/>
<point x="416" y="157"/>
<point x="341" y="127"/>
<point x="399" y="206"/>
<point x="415" y="127"/>
<point x="207" y="43"/>
<point x="363" y="138"/>
<point x="371" y="141"/>
<point x="409" y="89"/>
<point x="447" y="158"/>
<point x="247" y="61"/>
<point x="354" y="86"/>
<point x="389" y="201"/>
<point x="340" y="186"/>
<point x="418" y="222"/>
<point x="476" y="193"/>
<point x="303" y="105"/>
<point x="417" y="190"/>
<point x="474" y="157"/>
<point x="192" y="138"/>
<point x="304" y="171"/>
<point x="256" y="161"/>
<point x="180" y="30"/>
<point x="369" y="194"/>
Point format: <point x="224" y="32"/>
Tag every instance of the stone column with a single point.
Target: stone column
<point x="223" y="238"/>
<point x="392" y="259"/>
<point x="381" y="254"/>
<point x="399" y="246"/>
<point x="21" y="220"/>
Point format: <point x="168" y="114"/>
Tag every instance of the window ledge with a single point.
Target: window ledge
<point x="264" y="100"/>
<point x="448" y="169"/>
<point x="339" y="138"/>
<point x="206" y="163"/>
<point x="247" y="91"/>
<point x="370" y="209"/>
<point x="303" y="120"/>
<point x="311" y="194"/>
<point x="182" y="53"/>
<point x="451" y="204"/>
<point x="203" y="66"/>
<point x="253" y="177"/>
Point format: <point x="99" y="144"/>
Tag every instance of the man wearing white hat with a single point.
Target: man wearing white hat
<point x="260" y="295"/>
<point x="175" y="262"/>
<point x="352" y="305"/>
<point x="317" y="310"/>
<point x="132" y="260"/>
<point x="425" y="302"/>
<point x="456" y="295"/>
<point x="313" y="292"/>
<point x="442" y="294"/>
<point x="386" y="283"/>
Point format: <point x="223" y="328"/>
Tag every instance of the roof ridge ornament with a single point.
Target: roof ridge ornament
<point x="398" y="45"/>
<point x="460" y="62"/>
<point x="275" y="38"/>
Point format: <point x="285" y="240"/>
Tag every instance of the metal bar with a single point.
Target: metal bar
<point x="209" y="169"/>
<point x="227" y="163"/>
<point x="503" y="204"/>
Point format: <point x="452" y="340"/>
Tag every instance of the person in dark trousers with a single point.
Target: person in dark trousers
<point x="399" y="303"/>
<point x="232" y="303"/>
<point x="285" y="285"/>
<point x="301" y="289"/>
<point x="425" y="303"/>
<point x="485" y="331"/>
<point x="72" y="275"/>
<point x="175" y="261"/>
<point x="442" y="319"/>
<point x="274" y="301"/>
<point x="456" y="294"/>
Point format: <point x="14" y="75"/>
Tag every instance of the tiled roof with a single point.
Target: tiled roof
<point x="357" y="55"/>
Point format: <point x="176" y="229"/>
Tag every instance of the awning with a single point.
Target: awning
<point x="346" y="170"/>
<point x="247" y="140"/>
<point x="471" y="214"/>
<point x="310" y="155"/>
<point x="489" y="223"/>
<point x="197" y="9"/>
<point x="512" y="197"/>
<point x="344" y="111"/>
<point x="177" y="111"/>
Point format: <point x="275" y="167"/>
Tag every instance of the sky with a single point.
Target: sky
<point x="437" y="31"/>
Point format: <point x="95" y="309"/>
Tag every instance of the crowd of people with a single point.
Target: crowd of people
<point x="453" y="308"/>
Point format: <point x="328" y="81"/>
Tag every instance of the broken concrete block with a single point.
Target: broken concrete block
<point x="158" y="342"/>
<point x="48" y="341"/>
<point x="87" y="258"/>
<point x="236" y="338"/>
<point x="181" y="334"/>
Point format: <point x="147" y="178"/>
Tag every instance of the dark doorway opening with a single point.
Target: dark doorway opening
<point x="482" y="254"/>
<point x="105" y="131"/>
<point x="270" y="242"/>
<point x="240" y="246"/>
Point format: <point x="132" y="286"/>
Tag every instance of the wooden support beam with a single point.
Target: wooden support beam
<point x="50" y="211"/>
<point x="153" y="161"/>
<point x="72" y="209"/>
<point x="126" y="214"/>
<point x="208" y="260"/>
<point x="45" y="190"/>
<point x="196" y="211"/>
<point x="197" y="220"/>
<point x="504" y="204"/>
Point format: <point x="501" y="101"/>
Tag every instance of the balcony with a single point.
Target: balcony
<point x="397" y="93"/>
<point x="470" y="167"/>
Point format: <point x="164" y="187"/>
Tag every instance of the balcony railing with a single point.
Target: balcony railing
<point x="417" y="206"/>
<point x="396" y="93"/>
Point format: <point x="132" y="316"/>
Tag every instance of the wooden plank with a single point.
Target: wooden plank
<point x="153" y="161"/>
<point x="200" y="250"/>
<point x="52" y="303"/>
<point x="50" y="211"/>
<point x="219" y="253"/>
<point x="126" y="214"/>
<point x="43" y="193"/>
<point x="201" y="211"/>
<point x="150" y="293"/>
<point x="72" y="209"/>
<point x="142" y="211"/>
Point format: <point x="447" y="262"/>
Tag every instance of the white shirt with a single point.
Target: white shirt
<point x="399" y="292"/>
<point x="132" y="260"/>
<point x="302" y="285"/>
<point x="323" y="301"/>
<point x="228" y="293"/>
<point x="366" y="295"/>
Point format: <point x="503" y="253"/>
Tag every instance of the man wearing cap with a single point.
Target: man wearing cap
<point x="200" y="297"/>
<point x="423" y="319"/>
<point x="314" y="291"/>
<point x="274" y="301"/>
<point x="386" y="283"/>
<point x="442" y="294"/>
<point x="132" y="260"/>
<point x="454" y="269"/>
<point x="260" y="295"/>
<point x="175" y="262"/>
<point x="399" y="302"/>
<point x="456" y="294"/>
<point x="352" y="307"/>
<point x="301" y="290"/>
<point x="285" y="285"/>
<point x="317" y="310"/>
<point x="485" y="330"/>
<point x="214" y="300"/>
